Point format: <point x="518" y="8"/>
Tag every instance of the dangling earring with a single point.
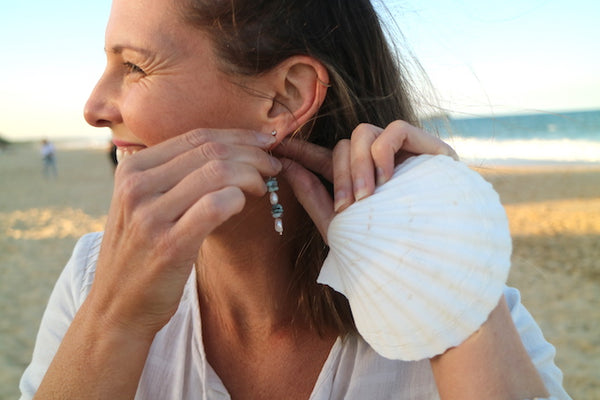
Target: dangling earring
<point x="276" y="208"/>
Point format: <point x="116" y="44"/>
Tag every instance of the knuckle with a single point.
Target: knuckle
<point x="343" y="145"/>
<point x="400" y="127"/>
<point x="196" y="137"/>
<point x="379" y="147"/>
<point x="362" y="129"/>
<point x="219" y="169"/>
<point x="213" y="207"/>
<point x="130" y="189"/>
<point x="214" y="150"/>
<point x="144" y="222"/>
<point x="218" y="206"/>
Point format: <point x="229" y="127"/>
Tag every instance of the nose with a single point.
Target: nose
<point x="101" y="109"/>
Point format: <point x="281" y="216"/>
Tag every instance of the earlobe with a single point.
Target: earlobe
<point x="301" y="84"/>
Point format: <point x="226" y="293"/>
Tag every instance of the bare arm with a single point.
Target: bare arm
<point x="491" y="364"/>
<point x="95" y="360"/>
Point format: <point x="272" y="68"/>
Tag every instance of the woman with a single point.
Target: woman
<point x="190" y="293"/>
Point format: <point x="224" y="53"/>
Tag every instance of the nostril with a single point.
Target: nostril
<point x="95" y="118"/>
<point x="101" y="123"/>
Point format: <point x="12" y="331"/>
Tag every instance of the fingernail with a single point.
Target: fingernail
<point x="381" y="178"/>
<point x="341" y="198"/>
<point x="275" y="163"/>
<point x="360" y="189"/>
<point x="266" y="140"/>
<point x="454" y="155"/>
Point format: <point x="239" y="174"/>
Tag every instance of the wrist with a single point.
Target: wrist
<point x="108" y="319"/>
<point x="492" y="363"/>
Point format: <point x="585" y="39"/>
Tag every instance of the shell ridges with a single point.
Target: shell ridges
<point x="423" y="261"/>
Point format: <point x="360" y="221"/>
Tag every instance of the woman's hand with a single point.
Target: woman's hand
<point x="355" y="166"/>
<point x="167" y="199"/>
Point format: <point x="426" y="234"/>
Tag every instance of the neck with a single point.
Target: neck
<point x="244" y="274"/>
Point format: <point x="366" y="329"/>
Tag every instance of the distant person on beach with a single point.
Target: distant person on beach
<point x="280" y="227"/>
<point x="48" y="153"/>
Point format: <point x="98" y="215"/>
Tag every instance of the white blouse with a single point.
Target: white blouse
<point x="176" y="367"/>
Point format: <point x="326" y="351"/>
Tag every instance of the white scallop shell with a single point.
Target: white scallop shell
<point x="423" y="261"/>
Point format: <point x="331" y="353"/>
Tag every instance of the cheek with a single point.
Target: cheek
<point x="159" y="112"/>
<point x="153" y="118"/>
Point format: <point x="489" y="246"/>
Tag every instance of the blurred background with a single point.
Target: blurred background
<point x="513" y="86"/>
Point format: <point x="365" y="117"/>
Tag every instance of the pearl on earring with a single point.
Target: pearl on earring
<point x="276" y="208"/>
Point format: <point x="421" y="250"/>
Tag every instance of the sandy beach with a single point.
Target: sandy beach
<point x="554" y="215"/>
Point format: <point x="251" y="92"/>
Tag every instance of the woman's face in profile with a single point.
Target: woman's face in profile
<point x="161" y="78"/>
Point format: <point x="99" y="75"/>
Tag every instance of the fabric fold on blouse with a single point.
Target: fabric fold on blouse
<point x="176" y="367"/>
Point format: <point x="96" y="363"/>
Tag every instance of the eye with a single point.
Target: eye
<point x="132" y="68"/>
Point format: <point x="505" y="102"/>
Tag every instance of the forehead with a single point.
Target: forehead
<point x="145" y="22"/>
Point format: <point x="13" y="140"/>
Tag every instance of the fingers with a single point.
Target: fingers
<point x="212" y="209"/>
<point x="355" y="166"/>
<point x="321" y="161"/>
<point x="178" y="168"/>
<point x="362" y="167"/>
<point x="155" y="189"/>
<point x="315" y="158"/>
<point x="342" y="179"/>
<point x="402" y="136"/>
<point x="216" y="156"/>
<point x="169" y="149"/>
<point x="167" y="199"/>
<point x="311" y="194"/>
<point x="213" y="177"/>
<point x="369" y="158"/>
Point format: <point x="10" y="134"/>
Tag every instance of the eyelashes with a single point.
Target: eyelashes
<point x="132" y="68"/>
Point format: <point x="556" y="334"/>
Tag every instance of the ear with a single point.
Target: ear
<point x="298" y="87"/>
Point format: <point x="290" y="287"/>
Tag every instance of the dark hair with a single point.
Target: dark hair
<point x="367" y="85"/>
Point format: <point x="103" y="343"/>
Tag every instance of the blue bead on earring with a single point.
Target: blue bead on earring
<point x="276" y="208"/>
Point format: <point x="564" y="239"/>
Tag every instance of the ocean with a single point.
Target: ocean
<point x="542" y="138"/>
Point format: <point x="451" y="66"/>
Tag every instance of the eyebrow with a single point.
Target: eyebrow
<point x="118" y="49"/>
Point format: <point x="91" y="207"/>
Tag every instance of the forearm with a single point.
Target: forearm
<point x="491" y="364"/>
<point x="95" y="361"/>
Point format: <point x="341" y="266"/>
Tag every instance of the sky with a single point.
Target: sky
<point x="481" y="58"/>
